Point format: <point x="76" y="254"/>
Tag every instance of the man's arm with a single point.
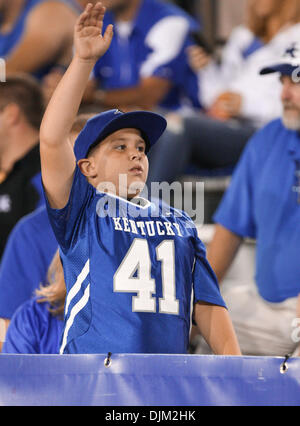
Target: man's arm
<point x="57" y="156"/>
<point x="47" y="36"/>
<point x="147" y="94"/>
<point x="4" y="323"/>
<point x="222" y="250"/>
<point x="166" y="41"/>
<point x="216" y="327"/>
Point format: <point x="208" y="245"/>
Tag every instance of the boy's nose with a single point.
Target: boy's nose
<point x="134" y="154"/>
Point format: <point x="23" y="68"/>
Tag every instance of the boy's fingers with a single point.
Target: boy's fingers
<point x="99" y="15"/>
<point x="98" y="10"/>
<point x="109" y="31"/>
<point x="84" y="16"/>
<point x="108" y="35"/>
<point x="99" y="6"/>
<point x="87" y="11"/>
<point x="92" y="16"/>
<point x="89" y="6"/>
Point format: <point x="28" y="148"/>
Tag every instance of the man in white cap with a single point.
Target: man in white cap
<point x="263" y="203"/>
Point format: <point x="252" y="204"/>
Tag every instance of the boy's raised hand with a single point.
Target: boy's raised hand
<point x="89" y="42"/>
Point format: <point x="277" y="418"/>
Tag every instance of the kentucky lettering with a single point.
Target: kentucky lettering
<point x="148" y="228"/>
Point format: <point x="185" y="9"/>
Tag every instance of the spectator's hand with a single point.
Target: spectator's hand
<point x="226" y="106"/>
<point x="50" y="81"/>
<point x="198" y="58"/>
<point x="89" y="42"/>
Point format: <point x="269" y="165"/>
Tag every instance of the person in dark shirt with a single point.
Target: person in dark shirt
<point x="21" y="111"/>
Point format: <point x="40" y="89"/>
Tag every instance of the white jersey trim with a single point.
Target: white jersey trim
<point x="75" y="310"/>
<point x="76" y="287"/>
<point x="166" y="39"/>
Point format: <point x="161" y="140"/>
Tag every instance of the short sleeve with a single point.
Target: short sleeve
<point x="165" y="59"/>
<point x="66" y="222"/>
<point x="236" y="210"/>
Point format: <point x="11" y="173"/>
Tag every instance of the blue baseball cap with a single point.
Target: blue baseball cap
<point x="289" y="63"/>
<point x="97" y="128"/>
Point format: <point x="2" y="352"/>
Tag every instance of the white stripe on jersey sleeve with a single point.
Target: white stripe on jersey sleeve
<point x="166" y="38"/>
<point x="76" y="287"/>
<point x="75" y="310"/>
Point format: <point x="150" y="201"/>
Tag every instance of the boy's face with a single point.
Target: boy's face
<point x="118" y="164"/>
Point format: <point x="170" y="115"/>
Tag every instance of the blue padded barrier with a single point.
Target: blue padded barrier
<point x="148" y="380"/>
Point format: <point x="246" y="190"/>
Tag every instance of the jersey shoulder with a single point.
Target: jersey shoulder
<point x="170" y="212"/>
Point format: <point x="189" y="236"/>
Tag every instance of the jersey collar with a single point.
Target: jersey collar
<point x="139" y="202"/>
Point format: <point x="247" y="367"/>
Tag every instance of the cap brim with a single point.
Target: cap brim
<point x="150" y="124"/>
<point x="285" y="69"/>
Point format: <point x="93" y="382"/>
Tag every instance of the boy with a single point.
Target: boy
<point x="129" y="273"/>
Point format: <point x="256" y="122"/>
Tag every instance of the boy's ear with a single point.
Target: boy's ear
<point x="87" y="167"/>
<point x="12" y="113"/>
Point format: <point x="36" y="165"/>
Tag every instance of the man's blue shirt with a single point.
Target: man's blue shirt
<point x="263" y="202"/>
<point x="27" y="256"/>
<point x="151" y="49"/>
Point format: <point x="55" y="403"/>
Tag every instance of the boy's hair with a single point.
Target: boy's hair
<point x="24" y="91"/>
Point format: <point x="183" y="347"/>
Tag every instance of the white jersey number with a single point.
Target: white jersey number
<point x="134" y="276"/>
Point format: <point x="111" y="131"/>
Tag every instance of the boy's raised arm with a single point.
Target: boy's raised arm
<point x="57" y="156"/>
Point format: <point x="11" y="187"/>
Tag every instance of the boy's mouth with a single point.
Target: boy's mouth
<point x="136" y="170"/>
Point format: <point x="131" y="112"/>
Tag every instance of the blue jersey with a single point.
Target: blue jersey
<point x="33" y="330"/>
<point x="263" y="202"/>
<point x="131" y="274"/>
<point x="29" y="251"/>
<point x="140" y="53"/>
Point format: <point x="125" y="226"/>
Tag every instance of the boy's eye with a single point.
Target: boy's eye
<point x="121" y="147"/>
